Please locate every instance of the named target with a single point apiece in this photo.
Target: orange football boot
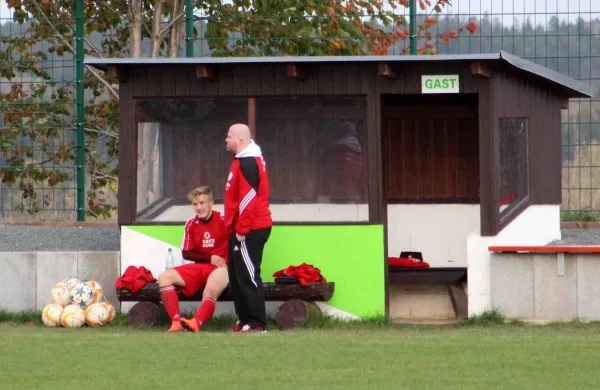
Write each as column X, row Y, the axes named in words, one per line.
column 176, row 326
column 192, row 325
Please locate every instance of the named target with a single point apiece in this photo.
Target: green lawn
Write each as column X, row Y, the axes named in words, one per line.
column 372, row 355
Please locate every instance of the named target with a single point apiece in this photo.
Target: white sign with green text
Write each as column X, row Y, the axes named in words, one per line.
column 439, row 84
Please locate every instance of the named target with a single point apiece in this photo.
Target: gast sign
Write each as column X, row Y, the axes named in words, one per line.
column 439, row 84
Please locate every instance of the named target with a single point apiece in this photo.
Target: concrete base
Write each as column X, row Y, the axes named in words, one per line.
column 27, row 277
column 420, row 302
column 546, row 287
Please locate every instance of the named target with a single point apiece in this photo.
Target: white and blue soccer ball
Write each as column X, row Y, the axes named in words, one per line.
column 82, row 294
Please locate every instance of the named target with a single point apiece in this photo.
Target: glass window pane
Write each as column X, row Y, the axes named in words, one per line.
column 514, row 162
column 181, row 146
column 315, row 148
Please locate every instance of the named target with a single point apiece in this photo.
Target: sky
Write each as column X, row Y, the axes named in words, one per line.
column 503, row 9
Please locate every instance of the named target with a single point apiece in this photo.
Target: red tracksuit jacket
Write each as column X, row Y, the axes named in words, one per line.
column 247, row 193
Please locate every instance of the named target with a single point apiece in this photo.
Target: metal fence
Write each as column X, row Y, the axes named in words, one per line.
column 41, row 119
column 561, row 35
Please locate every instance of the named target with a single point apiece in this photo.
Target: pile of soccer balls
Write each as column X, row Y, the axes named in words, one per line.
column 76, row 303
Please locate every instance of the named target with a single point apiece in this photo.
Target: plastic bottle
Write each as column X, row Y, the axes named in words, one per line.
column 169, row 262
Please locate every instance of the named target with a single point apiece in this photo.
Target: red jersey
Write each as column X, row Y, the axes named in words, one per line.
column 202, row 239
column 247, row 193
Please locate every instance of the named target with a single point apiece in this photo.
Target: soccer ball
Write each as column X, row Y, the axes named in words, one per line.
column 60, row 293
column 111, row 311
column 51, row 315
column 82, row 294
column 97, row 294
column 73, row 316
column 70, row 282
column 97, row 314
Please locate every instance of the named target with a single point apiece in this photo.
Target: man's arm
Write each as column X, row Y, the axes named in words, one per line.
column 188, row 250
column 196, row 256
column 230, row 211
column 248, row 187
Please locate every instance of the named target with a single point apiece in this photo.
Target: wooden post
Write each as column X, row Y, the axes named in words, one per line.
column 252, row 117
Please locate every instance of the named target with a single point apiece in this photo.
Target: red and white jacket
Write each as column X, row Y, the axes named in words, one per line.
column 247, row 193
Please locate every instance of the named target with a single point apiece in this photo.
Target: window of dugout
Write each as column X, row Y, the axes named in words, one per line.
column 314, row 147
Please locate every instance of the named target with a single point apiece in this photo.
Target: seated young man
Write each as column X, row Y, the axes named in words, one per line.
column 204, row 243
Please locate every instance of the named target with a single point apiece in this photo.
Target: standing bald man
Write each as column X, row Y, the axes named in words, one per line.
column 248, row 224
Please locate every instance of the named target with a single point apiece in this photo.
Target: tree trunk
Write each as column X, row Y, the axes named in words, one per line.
column 157, row 36
column 135, row 28
column 295, row 312
column 175, row 33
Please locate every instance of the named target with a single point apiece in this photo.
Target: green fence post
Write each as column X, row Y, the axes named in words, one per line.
column 413, row 27
column 189, row 28
column 79, row 54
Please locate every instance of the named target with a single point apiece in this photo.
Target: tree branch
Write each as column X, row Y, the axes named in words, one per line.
column 105, row 133
column 111, row 90
column 177, row 18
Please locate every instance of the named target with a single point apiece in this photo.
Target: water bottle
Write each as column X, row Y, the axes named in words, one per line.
column 169, row 262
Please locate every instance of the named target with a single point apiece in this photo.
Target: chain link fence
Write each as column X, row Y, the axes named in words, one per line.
column 38, row 122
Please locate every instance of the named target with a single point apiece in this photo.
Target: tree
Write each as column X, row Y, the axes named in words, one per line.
column 321, row 27
column 39, row 143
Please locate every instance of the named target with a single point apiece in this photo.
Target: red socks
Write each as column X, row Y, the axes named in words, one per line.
column 171, row 301
column 205, row 311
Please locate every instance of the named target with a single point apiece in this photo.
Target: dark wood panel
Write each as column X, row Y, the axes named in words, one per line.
column 516, row 97
column 519, row 97
column 127, row 155
column 271, row 79
column 297, row 139
column 488, row 159
column 430, row 158
column 442, row 275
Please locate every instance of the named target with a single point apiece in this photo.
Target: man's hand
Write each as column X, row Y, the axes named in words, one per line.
column 218, row 261
column 239, row 237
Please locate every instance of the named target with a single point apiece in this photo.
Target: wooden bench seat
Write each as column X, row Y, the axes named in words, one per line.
column 298, row 301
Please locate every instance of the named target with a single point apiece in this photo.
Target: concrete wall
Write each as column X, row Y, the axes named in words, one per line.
column 27, row 277
column 439, row 231
column 420, row 302
column 542, row 287
column 537, row 225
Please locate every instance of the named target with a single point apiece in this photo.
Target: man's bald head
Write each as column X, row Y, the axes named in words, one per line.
column 238, row 137
column 241, row 130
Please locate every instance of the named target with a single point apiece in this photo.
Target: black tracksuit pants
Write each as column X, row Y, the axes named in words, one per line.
column 244, row 263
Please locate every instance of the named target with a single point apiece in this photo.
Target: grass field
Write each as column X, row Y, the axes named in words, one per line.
column 478, row 354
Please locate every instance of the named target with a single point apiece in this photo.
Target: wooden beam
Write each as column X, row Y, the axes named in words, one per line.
column 385, row 70
column 297, row 71
column 477, row 68
column 319, row 291
column 120, row 74
column 252, row 117
column 208, row 72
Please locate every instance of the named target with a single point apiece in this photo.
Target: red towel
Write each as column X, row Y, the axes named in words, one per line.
column 135, row 278
column 305, row 273
column 406, row 262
